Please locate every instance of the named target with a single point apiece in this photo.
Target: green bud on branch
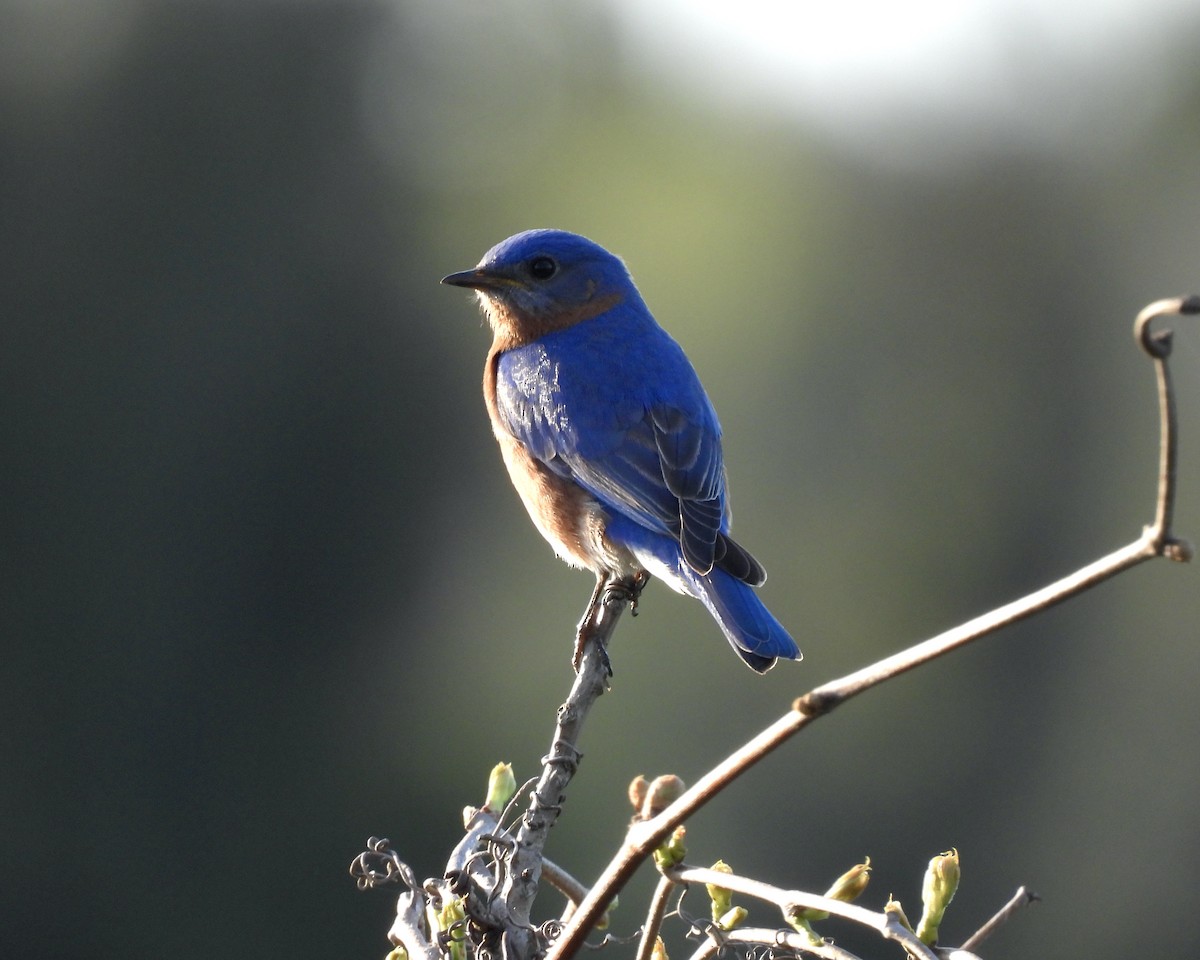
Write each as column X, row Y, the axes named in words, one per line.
column 673, row 851
column 941, row 883
column 722, row 899
column 502, row 784
column 847, row 888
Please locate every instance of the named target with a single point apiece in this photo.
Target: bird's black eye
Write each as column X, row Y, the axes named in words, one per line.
column 542, row 268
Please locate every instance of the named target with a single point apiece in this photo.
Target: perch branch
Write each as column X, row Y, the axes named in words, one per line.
column 482, row 826
column 1156, row 540
column 559, row 765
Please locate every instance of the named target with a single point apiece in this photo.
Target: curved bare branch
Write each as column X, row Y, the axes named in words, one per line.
column 1156, row 540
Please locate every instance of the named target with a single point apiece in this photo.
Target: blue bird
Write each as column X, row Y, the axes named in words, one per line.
column 608, row 436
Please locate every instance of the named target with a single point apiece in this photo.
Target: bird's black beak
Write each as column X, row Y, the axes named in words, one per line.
column 478, row 279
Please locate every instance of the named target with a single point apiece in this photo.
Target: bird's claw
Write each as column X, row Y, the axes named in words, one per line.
column 616, row 591
column 626, row 590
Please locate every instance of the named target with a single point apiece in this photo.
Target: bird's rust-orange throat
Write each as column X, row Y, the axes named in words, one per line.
column 514, row 329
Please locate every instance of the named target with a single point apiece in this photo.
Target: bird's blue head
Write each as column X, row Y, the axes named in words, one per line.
column 544, row 280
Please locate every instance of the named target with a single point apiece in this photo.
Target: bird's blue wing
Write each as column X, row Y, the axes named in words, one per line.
column 656, row 461
column 689, row 452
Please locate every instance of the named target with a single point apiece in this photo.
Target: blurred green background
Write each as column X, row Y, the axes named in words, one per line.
column 266, row 590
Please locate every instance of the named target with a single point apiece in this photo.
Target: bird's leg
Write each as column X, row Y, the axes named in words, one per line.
column 611, row 590
column 588, row 624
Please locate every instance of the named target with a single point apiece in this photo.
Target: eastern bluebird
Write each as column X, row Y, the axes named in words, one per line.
column 608, row 436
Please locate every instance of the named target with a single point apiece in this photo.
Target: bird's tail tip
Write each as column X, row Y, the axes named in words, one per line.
column 760, row 663
column 751, row 629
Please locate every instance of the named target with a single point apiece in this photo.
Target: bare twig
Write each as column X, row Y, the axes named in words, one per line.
column 1156, row 540
column 790, row 902
column 571, row 888
column 1022, row 898
column 710, row 948
column 1157, row 345
column 379, row 865
column 408, row 929
column 654, row 916
column 791, row 941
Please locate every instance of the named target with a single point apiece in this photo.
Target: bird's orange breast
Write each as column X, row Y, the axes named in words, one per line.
column 570, row 519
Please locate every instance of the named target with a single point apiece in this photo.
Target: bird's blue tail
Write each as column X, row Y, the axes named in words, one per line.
column 753, row 632
column 751, row 629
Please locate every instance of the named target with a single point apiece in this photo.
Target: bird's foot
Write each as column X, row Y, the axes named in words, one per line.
column 626, row 590
column 615, row 591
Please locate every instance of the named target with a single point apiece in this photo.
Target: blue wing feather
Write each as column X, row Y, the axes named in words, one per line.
column 656, row 461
